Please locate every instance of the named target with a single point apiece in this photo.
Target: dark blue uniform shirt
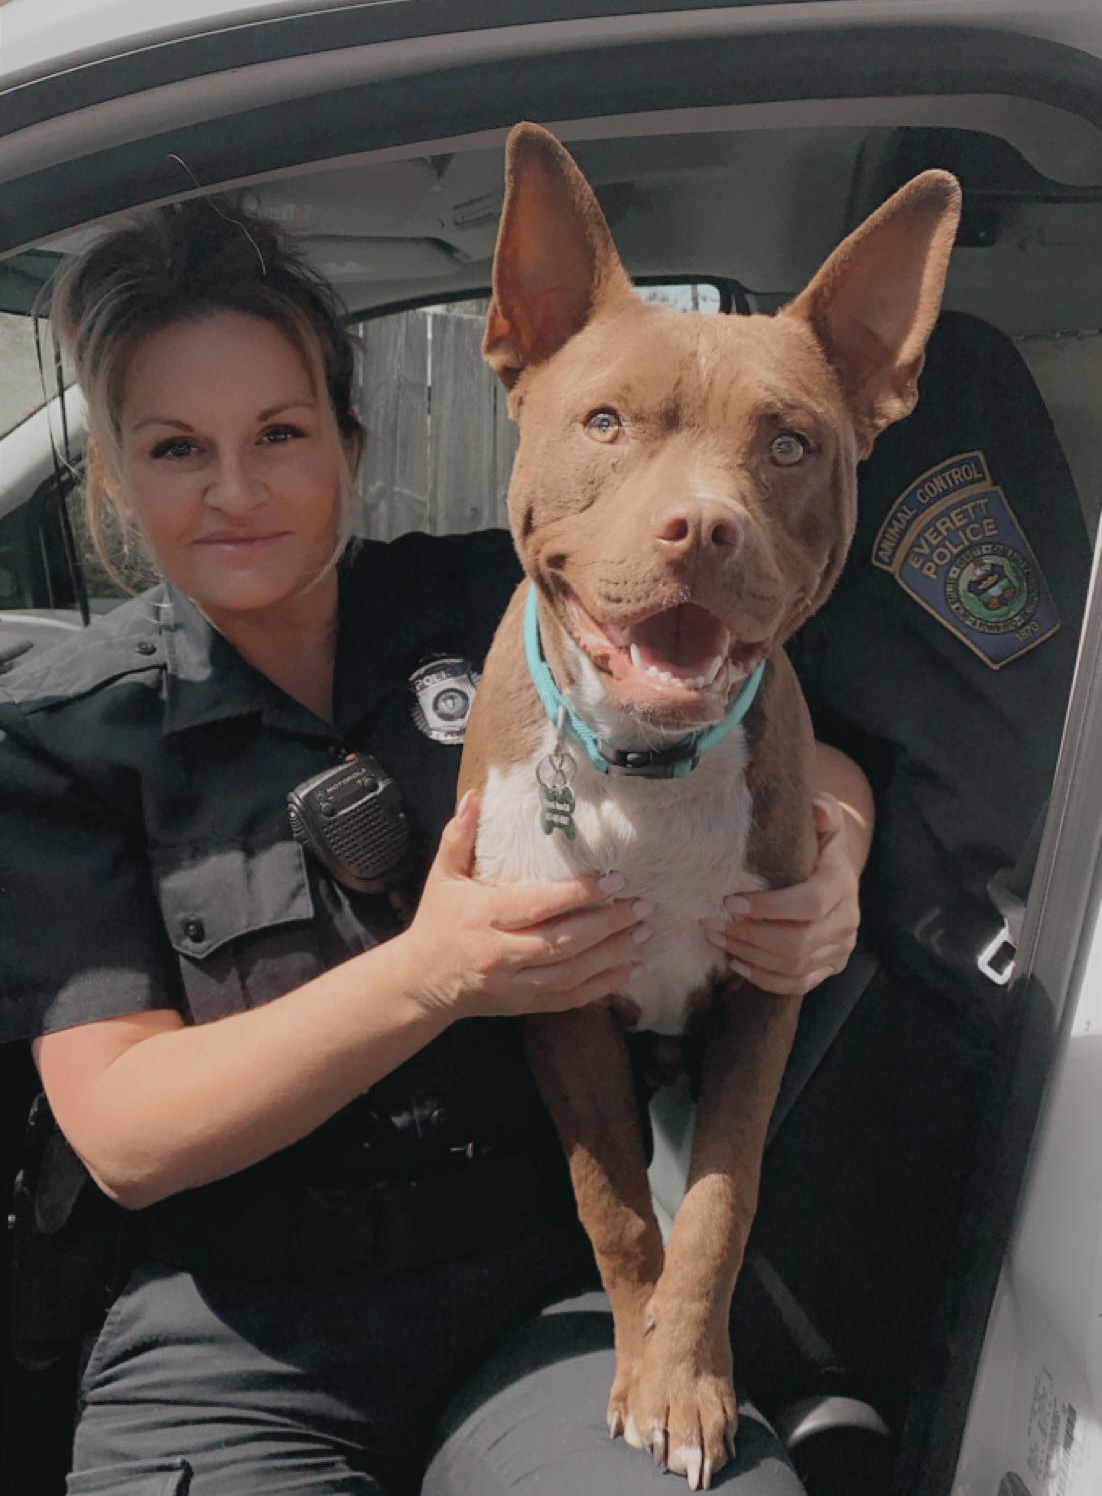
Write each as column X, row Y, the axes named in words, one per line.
column 147, row 856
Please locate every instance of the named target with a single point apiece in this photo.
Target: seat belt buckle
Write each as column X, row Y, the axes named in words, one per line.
column 996, row 960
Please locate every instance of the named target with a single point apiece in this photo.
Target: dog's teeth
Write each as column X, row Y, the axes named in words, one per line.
column 636, row 658
column 713, row 670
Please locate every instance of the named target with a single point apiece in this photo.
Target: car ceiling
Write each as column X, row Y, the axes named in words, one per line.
column 756, row 190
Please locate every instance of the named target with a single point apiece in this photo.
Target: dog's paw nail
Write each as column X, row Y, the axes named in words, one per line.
column 731, row 1442
column 658, row 1447
column 615, row 1424
column 694, row 1467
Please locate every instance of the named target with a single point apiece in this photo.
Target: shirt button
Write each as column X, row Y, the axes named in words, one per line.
column 195, row 930
column 146, row 648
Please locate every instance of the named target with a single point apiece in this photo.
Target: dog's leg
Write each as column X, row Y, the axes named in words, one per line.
column 580, row 1060
column 683, row 1400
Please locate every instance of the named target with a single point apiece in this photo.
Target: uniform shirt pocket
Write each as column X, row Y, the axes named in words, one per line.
column 240, row 919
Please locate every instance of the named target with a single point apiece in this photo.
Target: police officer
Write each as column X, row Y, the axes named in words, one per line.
column 338, row 1200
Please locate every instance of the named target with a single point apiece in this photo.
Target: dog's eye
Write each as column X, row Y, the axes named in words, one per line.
column 604, row 425
column 787, row 449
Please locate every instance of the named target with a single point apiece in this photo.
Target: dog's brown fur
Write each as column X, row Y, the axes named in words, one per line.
column 693, row 508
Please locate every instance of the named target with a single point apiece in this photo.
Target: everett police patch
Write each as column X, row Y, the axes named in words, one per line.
column 952, row 542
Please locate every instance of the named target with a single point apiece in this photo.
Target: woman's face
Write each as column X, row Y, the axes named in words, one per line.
column 232, row 466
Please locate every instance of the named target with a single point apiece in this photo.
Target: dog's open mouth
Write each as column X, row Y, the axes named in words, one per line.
column 676, row 655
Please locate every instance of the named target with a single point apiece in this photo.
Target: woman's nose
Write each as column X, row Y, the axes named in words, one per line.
column 234, row 487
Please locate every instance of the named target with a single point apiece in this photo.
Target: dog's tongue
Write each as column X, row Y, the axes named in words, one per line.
column 682, row 641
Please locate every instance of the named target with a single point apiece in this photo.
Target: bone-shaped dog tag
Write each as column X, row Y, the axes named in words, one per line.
column 558, row 811
column 556, row 797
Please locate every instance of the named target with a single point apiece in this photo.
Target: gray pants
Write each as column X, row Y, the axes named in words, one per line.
column 225, row 1386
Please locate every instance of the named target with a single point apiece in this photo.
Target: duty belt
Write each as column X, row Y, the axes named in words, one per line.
column 293, row 1228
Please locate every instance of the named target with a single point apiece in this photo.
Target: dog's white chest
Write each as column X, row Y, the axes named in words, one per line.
column 681, row 843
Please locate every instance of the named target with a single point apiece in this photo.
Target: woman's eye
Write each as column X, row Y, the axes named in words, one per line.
column 788, row 449
column 277, row 435
column 604, row 425
column 174, row 446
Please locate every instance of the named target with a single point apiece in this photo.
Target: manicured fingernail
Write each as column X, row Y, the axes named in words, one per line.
column 716, row 938
column 736, row 904
column 737, row 966
column 611, row 882
column 643, row 908
column 714, row 926
column 461, row 808
column 641, row 933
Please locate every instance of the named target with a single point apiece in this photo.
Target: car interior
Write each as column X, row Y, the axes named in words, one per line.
column 901, row 1128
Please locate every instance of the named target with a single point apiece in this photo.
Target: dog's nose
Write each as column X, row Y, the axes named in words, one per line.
column 696, row 524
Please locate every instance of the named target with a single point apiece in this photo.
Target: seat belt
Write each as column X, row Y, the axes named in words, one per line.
column 1009, row 890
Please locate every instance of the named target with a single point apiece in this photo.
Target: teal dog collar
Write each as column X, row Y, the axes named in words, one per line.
column 662, row 763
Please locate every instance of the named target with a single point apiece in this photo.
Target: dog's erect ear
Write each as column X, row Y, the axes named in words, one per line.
column 873, row 304
column 555, row 262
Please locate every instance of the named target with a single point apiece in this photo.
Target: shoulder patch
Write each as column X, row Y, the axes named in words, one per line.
column 953, row 544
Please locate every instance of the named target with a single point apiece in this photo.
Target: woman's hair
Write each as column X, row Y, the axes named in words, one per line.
column 178, row 264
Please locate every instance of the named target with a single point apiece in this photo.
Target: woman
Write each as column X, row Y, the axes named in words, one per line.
column 341, row 1197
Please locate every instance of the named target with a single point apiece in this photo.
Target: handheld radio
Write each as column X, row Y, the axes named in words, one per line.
column 351, row 818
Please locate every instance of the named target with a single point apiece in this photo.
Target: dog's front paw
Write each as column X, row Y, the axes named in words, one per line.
column 685, row 1417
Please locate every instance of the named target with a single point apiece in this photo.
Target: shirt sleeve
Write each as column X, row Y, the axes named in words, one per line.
column 81, row 935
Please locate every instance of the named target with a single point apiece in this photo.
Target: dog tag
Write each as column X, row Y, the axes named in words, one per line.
column 558, row 811
column 556, row 797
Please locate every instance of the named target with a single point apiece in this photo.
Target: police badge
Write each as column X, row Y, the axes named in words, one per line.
column 444, row 690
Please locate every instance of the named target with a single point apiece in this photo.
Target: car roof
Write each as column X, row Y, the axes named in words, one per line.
column 374, row 129
column 38, row 37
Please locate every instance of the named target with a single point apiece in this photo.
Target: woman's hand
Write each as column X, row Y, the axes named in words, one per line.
column 788, row 940
column 486, row 949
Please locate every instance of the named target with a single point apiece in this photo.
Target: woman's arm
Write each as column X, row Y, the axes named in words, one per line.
column 788, row 940
column 154, row 1106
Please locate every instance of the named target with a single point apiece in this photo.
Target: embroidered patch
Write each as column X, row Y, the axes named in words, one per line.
column 443, row 693
column 951, row 540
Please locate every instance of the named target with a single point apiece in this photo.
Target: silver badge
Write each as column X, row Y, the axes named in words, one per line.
column 444, row 690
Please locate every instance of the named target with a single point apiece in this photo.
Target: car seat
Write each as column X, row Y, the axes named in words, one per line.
column 942, row 663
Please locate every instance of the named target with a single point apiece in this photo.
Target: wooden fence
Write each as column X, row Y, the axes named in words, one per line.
column 438, row 442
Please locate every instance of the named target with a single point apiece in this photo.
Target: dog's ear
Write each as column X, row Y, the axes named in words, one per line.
column 555, row 262
column 874, row 302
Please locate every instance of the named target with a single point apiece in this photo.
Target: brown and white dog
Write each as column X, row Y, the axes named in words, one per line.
column 682, row 499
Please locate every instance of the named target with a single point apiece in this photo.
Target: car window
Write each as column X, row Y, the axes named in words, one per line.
column 438, row 440
column 21, row 390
